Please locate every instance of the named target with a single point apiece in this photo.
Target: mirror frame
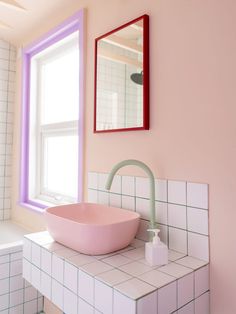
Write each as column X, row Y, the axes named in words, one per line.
column 145, row 125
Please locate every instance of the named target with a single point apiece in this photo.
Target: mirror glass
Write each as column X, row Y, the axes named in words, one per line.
column 121, row 78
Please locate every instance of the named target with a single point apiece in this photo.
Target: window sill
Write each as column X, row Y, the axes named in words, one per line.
column 32, row 207
column 39, row 205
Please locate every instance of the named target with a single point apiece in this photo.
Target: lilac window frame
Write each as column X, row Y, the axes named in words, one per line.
column 69, row 26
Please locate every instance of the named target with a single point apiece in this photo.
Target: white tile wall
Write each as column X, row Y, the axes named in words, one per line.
column 120, row 282
column 167, row 299
column 7, row 95
column 181, row 209
column 16, row 295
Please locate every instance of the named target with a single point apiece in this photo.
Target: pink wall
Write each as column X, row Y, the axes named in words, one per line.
column 193, row 128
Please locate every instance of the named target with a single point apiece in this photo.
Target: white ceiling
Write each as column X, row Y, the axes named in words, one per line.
column 22, row 22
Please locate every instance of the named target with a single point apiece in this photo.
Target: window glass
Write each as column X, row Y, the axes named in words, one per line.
column 60, row 165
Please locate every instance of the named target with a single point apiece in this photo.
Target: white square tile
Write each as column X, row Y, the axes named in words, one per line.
column 27, row 270
column 135, row 288
column 135, row 254
column 96, row 268
column 128, row 185
column 136, row 243
column 86, row 287
column 175, row 270
column 71, row 277
column 17, row 310
column 46, row 285
column 167, row 299
column 163, row 233
column 16, row 268
column 135, row 268
column 103, row 297
column 4, row 44
column 147, row 304
column 92, row 180
column 198, row 246
column 65, row 253
column 4, row 302
column 142, row 186
column 197, row 220
column 70, row 302
column 201, row 280
column 117, row 260
column 116, row 185
column 143, row 207
column 177, row 192
column 103, row 198
column 187, row 309
column 185, row 287
column 115, row 200
column 30, row 307
column 113, row 277
column 35, row 277
column 174, row 255
column 46, row 261
column 178, row 240
column 27, row 249
column 197, row 195
column 4, row 286
column 161, row 212
column 92, row 196
column 177, row 216
column 84, row 307
column 40, row 304
column 81, row 259
column 128, row 202
column 4, row 54
column 30, row 293
column 16, row 256
column 57, row 268
column 7, row 214
column 202, row 304
column 102, row 180
column 191, row 262
column 53, row 247
column 122, row 304
column 161, row 190
column 57, row 294
column 16, row 298
column 142, row 233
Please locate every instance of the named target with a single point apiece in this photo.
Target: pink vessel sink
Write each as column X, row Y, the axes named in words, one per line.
column 91, row 228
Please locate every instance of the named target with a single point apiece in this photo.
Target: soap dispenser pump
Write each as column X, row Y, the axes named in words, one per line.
column 156, row 252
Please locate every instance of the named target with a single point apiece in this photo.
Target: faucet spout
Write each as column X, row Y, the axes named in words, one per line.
column 133, row 162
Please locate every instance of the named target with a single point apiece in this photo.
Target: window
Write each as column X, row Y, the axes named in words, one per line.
column 51, row 161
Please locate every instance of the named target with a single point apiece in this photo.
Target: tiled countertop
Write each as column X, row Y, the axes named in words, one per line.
column 120, row 282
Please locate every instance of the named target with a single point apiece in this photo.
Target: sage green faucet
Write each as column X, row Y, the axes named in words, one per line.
column 133, row 162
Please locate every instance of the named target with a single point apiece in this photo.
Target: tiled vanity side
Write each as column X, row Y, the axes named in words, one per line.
column 181, row 209
column 7, row 95
column 17, row 296
column 115, row 283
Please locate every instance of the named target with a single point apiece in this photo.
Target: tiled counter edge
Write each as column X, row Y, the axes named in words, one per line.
column 17, row 296
column 80, row 284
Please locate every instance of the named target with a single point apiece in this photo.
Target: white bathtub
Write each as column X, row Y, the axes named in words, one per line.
column 16, row 295
column 10, row 232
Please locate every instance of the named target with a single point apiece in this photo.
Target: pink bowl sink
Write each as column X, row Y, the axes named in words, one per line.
column 91, row 228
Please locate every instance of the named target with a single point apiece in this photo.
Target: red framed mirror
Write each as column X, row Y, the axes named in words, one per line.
column 121, row 101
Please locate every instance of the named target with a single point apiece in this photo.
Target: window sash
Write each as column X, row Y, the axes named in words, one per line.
column 41, row 191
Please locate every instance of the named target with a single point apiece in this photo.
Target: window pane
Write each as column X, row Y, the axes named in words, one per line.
column 60, row 173
column 59, row 81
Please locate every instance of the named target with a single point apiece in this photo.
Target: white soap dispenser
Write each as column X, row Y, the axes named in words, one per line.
column 156, row 252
